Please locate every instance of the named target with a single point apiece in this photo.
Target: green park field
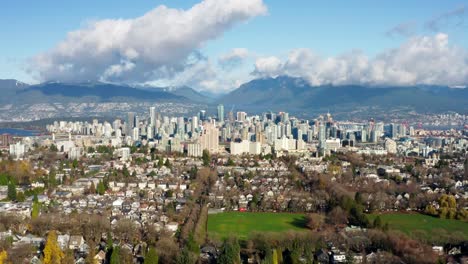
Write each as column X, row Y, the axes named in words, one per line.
column 242, row 224
column 424, row 226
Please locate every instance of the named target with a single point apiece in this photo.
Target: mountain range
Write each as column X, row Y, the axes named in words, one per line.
column 295, row 94
column 282, row 93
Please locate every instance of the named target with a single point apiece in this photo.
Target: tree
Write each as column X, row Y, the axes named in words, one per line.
column 92, row 188
column 3, row 257
column 160, row 162
column 53, row 148
column 167, row 163
column 314, row 221
column 151, row 257
column 377, row 222
column 101, row 188
column 52, row 252
column 68, row 257
column 35, row 210
column 337, row 216
column 11, row 194
column 185, row 257
column 115, row 256
column 206, row 157
column 192, row 244
column 230, row 253
column 230, row 162
column 20, row 197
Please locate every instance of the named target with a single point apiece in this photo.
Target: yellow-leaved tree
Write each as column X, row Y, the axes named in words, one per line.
column 3, row 257
column 52, row 252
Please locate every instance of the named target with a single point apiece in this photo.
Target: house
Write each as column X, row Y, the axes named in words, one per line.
column 76, row 242
column 100, row 257
column 117, row 203
column 322, row 256
column 172, row 226
column 438, row 250
column 32, row 240
column 455, row 251
column 63, row 241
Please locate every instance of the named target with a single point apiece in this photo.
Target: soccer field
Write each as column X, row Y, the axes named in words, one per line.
column 424, row 226
column 242, row 224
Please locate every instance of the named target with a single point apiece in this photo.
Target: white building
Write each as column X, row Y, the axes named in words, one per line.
column 390, row 146
column 17, row 150
column 75, row 153
column 194, row 150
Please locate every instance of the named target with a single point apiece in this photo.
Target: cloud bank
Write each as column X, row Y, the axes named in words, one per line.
column 420, row 60
column 233, row 58
column 160, row 44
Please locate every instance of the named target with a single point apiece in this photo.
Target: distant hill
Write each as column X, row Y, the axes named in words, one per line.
column 55, row 92
column 295, row 94
column 188, row 92
column 9, row 87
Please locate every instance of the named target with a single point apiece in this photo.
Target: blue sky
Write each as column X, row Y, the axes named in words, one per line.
column 328, row 28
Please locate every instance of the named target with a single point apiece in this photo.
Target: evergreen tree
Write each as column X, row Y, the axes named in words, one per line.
column 167, row 163
column 101, row 188
column 52, row 252
column 35, row 210
column 11, row 194
column 151, row 257
column 206, row 157
column 192, row 244
column 230, row 252
column 115, row 256
column 377, row 222
column 160, row 162
column 230, row 162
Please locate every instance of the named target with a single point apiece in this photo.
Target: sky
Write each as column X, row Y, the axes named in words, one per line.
column 217, row 45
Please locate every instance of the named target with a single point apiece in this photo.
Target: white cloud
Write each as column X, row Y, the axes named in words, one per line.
column 159, row 44
column 420, row 60
column 268, row 66
column 233, row 58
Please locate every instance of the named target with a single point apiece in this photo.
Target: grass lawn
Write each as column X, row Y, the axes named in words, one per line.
column 423, row 226
column 242, row 224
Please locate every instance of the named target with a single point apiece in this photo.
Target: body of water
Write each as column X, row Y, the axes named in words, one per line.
column 18, row 132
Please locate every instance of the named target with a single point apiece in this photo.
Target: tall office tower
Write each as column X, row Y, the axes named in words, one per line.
column 136, row 133
column 180, row 125
column 150, row 132
column 202, row 115
column 299, row 134
column 402, row 130
column 153, row 115
column 284, row 117
column 194, row 124
column 130, row 123
column 137, row 121
column 310, row 136
column 116, row 124
column 373, row 136
column 209, row 139
column 241, row 116
column 166, row 120
column 322, row 135
column 259, row 137
column 221, row 113
column 411, row 131
column 287, row 130
column 364, row 135
column 231, row 117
